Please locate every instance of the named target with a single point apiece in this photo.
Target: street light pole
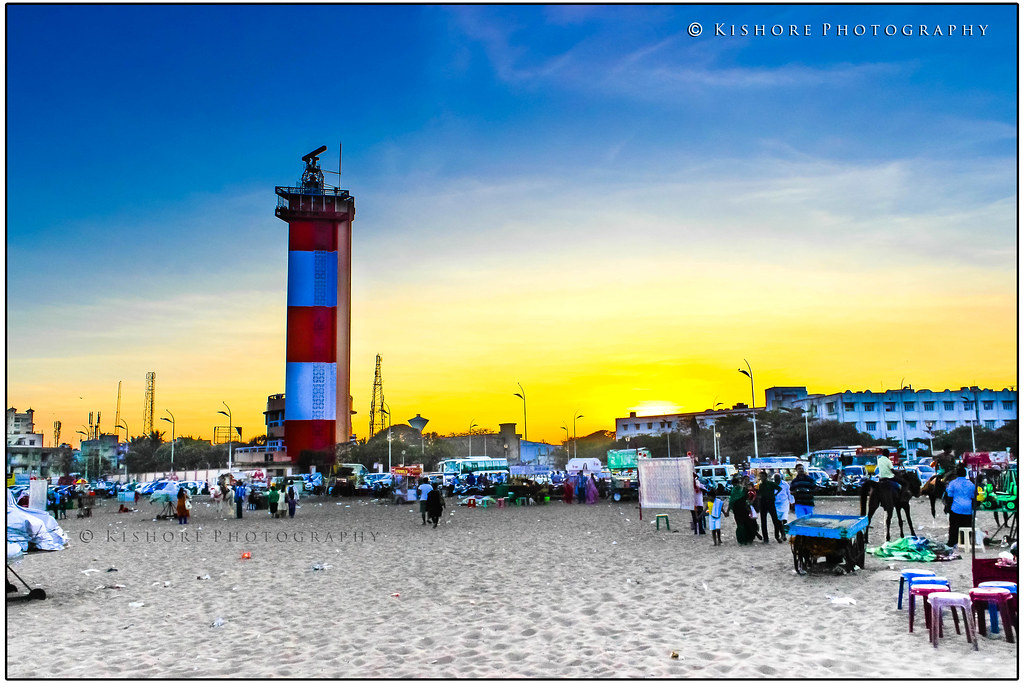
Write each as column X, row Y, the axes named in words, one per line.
column 753, row 416
column 566, row 429
column 974, row 447
column 85, row 458
column 172, row 436
column 387, row 411
column 231, row 431
column 471, row 425
column 576, row 417
column 807, row 433
column 522, row 395
column 125, row 425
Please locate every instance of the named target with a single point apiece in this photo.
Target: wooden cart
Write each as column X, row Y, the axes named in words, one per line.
column 837, row 538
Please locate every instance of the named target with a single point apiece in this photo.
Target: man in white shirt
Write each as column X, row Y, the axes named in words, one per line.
column 885, row 473
column 422, row 490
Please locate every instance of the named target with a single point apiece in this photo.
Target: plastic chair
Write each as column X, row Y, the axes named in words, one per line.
column 993, row 612
column 471, row 502
column 981, row 598
column 924, row 591
column 968, row 535
column 905, row 576
column 953, row 601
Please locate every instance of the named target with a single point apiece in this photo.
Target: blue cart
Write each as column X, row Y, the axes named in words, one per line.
column 837, row 538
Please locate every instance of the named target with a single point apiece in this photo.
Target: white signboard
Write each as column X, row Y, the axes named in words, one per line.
column 666, row 483
column 591, row 465
column 37, row 494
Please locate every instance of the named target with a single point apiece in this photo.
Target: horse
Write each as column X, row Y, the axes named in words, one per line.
column 883, row 496
column 935, row 488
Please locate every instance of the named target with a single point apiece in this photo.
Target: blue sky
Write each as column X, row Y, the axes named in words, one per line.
column 556, row 166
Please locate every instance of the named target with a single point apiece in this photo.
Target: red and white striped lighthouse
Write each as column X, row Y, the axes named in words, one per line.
column 317, row 401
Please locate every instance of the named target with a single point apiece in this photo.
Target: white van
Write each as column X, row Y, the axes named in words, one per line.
column 713, row 475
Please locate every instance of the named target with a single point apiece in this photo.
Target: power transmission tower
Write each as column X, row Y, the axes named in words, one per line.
column 147, row 406
column 376, row 403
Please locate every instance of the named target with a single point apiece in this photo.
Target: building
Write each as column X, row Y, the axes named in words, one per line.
column 271, row 457
column 317, row 393
column 24, row 450
column 658, row 425
column 911, row 416
column 505, row 444
column 99, row 456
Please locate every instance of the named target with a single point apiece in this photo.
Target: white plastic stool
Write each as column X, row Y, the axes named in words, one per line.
column 968, row 535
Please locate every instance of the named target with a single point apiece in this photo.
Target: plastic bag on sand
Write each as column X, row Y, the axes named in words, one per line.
column 841, row 601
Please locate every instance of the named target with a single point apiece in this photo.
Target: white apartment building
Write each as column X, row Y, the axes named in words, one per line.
column 908, row 416
column 656, row 425
column 24, row 451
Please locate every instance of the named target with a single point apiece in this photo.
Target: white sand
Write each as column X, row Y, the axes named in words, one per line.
column 547, row 591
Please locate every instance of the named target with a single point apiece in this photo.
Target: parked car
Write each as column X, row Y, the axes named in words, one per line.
column 924, row 472
column 823, row 484
column 148, row 487
column 852, row 480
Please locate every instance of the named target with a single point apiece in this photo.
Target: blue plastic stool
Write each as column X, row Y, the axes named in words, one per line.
column 906, row 575
column 993, row 609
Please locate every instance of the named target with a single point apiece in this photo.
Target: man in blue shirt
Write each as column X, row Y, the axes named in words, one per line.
column 961, row 492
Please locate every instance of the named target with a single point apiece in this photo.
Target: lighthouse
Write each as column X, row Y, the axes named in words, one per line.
column 317, row 381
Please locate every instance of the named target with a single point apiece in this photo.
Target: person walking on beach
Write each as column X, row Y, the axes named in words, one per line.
column 290, row 499
column 746, row 527
column 961, row 492
column 783, row 499
column 766, row 490
column 273, row 497
column 422, row 492
column 239, row 499
column 698, row 505
column 182, row 508
column 567, row 490
column 802, row 488
column 715, row 520
column 435, row 504
column 591, row 490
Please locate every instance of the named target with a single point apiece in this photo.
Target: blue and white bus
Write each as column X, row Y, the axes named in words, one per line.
column 460, row 467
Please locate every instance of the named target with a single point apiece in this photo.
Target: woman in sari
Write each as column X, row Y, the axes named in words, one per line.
column 591, row 490
column 746, row 528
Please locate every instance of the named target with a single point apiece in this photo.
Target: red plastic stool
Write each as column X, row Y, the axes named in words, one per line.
column 953, row 601
column 471, row 502
column 924, row 591
column 980, row 599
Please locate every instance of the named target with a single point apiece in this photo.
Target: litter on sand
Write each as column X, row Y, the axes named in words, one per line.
column 217, row 623
column 841, row 601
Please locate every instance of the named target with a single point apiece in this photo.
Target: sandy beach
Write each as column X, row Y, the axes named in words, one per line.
column 543, row 591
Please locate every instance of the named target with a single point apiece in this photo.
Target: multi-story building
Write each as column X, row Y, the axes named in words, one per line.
column 906, row 415
column 911, row 416
column 25, row 452
column 657, row 425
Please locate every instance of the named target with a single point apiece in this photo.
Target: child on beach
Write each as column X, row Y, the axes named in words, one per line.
column 715, row 520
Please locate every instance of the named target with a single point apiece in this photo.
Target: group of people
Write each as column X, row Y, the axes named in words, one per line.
column 431, row 501
column 581, row 488
column 769, row 500
column 241, row 493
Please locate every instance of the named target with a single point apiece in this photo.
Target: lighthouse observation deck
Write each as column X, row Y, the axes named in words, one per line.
column 314, row 202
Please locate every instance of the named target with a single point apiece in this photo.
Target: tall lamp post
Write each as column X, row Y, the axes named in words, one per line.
column 565, row 428
column 575, row 417
column 753, row 416
column 172, row 436
column 807, row 429
column 471, row 425
column 522, row 394
column 974, row 447
column 85, row 458
column 387, row 411
column 418, row 423
column 231, row 431
column 125, row 425
column 714, row 427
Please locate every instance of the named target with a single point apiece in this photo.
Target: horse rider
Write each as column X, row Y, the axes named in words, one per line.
column 884, row 470
column 945, row 465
